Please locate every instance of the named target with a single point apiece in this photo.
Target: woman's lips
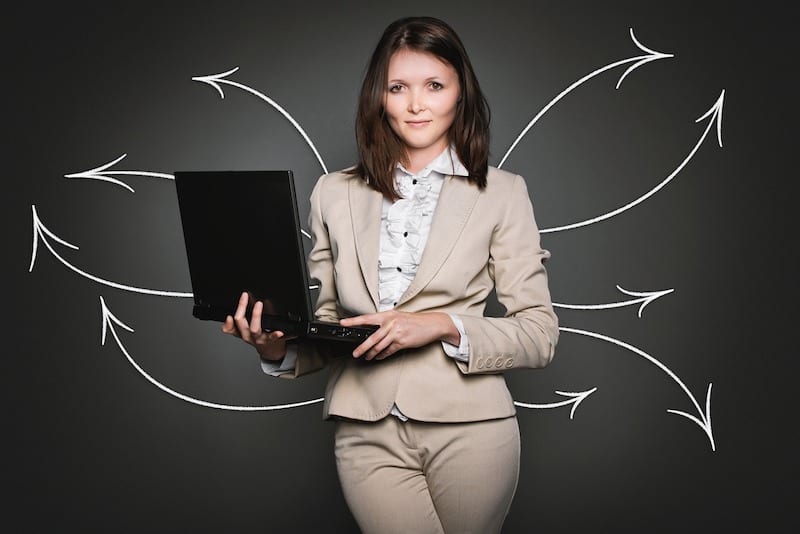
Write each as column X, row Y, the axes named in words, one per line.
column 417, row 124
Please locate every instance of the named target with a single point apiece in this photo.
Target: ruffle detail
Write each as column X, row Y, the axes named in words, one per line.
column 405, row 226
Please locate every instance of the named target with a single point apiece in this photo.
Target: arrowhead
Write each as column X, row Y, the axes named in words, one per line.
column 578, row 398
column 650, row 296
column 704, row 421
column 716, row 115
column 97, row 174
column 39, row 229
column 212, row 80
column 108, row 317
column 652, row 55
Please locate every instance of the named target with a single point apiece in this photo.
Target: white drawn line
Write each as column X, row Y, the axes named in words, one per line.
column 101, row 173
column 646, row 297
column 575, row 400
column 715, row 113
column 108, row 320
column 215, row 79
column 39, row 232
column 637, row 61
column 705, row 418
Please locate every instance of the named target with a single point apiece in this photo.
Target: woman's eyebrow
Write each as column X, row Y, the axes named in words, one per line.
column 428, row 79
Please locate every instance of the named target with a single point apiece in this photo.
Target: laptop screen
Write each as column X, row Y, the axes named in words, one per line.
column 242, row 233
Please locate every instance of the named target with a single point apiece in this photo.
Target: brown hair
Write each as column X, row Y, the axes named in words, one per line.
column 379, row 147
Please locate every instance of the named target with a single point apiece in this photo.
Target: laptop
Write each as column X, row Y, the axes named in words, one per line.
column 242, row 233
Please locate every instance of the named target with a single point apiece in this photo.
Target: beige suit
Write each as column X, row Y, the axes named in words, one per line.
column 478, row 240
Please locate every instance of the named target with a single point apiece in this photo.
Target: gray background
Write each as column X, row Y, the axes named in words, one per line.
column 91, row 445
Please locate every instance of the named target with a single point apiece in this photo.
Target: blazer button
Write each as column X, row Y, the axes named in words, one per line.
column 479, row 363
column 489, row 362
column 498, row 363
column 509, row 363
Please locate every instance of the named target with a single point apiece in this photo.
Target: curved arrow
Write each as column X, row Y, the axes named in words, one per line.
column 215, row 79
column 704, row 421
column 715, row 114
column 577, row 398
column 637, row 61
column 109, row 319
column 39, row 233
column 646, row 297
column 100, row 173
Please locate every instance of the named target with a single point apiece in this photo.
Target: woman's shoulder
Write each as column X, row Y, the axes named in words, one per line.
column 501, row 175
column 500, row 180
column 338, row 178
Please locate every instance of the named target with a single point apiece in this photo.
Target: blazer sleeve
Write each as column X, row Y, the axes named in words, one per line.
column 527, row 335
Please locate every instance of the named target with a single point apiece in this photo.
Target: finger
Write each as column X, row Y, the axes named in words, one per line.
column 276, row 335
column 244, row 328
column 388, row 351
column 379, row 348
column 380, row 343
column 229, row 327
column 255, row 320
column 242, row 306
column 370, row 318
column 368, row 343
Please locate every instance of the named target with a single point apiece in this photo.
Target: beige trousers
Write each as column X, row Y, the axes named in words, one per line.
column 414, row 477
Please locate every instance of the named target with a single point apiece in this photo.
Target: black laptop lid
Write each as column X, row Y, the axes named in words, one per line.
column 242, row 233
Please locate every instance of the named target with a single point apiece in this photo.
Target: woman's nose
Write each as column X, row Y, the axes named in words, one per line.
column 415, row 102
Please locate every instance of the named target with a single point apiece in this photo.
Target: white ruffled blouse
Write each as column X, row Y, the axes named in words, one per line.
column 405, row 226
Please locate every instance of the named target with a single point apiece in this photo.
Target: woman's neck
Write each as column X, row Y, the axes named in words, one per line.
column 418, row 159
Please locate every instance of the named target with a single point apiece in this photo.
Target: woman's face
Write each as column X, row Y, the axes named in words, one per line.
column 421, row 97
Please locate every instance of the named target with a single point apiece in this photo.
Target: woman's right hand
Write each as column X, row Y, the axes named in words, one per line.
column 270, row 345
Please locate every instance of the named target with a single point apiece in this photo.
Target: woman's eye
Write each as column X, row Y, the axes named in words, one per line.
column 436, row 86
column 395, row 88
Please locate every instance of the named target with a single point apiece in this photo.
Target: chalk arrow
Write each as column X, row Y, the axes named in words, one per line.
column 637, row 61
column 704, row 419
column 575, row 400
column 214, row 80
column 41, row 233
column 645, row 297
column 109, row 320
column 714, row 116
column 103, row 174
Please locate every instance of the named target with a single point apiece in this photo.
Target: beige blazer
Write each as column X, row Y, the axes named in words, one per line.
column 479, row 240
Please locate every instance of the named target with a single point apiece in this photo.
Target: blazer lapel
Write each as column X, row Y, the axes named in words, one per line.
column 365, row 215
column 456, row 201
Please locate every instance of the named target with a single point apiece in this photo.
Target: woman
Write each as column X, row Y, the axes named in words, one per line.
column 413, row 239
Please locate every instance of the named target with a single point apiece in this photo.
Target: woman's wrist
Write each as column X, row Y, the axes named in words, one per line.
column 450, row 333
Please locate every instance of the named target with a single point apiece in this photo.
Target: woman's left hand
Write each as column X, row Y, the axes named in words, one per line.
column 402, row 330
